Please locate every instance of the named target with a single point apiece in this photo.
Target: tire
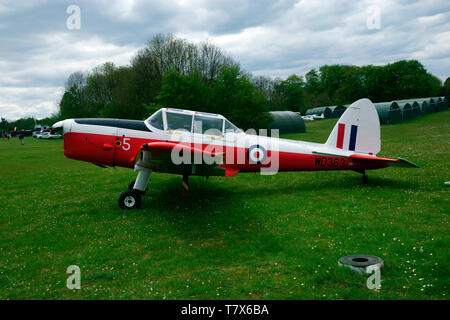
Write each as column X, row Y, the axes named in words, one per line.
column 130, row 200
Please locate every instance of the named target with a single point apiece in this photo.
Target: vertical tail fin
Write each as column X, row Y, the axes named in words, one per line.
column 358, row 129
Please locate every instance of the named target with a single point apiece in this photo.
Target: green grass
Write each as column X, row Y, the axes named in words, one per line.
column 244, row 237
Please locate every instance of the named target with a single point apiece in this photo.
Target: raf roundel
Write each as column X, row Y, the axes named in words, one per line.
column 256, row 154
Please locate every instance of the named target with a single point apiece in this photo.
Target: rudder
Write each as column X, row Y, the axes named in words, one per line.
column 358, row 129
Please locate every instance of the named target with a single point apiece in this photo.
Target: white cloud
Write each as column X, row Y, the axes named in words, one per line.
column 275, row 38
column 38, row 102
column 43, row 73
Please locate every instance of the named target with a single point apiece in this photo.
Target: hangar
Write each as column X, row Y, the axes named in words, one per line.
column 388, row 112
column 433, row 105
column 416, row 110
column 287, row 122
column 391, row 112
column 423, row 103
column 407, row 111
column 326, row 111
column 440, row 103
column 338, row 111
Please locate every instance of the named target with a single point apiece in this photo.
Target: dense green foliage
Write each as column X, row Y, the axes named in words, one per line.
column 446, row 89
column 173, row 72
column 242, row 237
column 343, row 84
column 232, row 94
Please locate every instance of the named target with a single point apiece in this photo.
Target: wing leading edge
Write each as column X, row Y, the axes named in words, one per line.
column 158, row 157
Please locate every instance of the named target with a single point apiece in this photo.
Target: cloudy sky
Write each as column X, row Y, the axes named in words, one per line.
column 276, row 38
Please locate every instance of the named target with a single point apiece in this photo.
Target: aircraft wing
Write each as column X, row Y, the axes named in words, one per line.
column 181, row 158
column 390, row 162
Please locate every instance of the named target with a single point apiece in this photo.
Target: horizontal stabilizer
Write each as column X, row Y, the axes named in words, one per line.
column 390, row 162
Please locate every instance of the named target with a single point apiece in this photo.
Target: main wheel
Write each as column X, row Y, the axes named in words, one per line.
column 130, row 199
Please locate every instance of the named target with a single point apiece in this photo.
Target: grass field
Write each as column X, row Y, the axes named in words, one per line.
column 244, row 237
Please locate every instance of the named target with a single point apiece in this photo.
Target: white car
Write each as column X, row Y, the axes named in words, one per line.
column 48, row 135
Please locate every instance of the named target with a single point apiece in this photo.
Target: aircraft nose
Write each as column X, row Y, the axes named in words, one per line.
column 62, row 125
column 58, row 126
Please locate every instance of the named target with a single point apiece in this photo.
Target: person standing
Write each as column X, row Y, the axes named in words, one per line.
column 21, row 138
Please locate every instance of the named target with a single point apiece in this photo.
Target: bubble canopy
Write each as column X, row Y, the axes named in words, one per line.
column 171, row 119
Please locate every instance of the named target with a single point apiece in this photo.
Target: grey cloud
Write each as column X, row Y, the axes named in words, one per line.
column 269, row 37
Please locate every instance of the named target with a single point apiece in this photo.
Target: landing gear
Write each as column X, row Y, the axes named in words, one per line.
column 185, row 185
column 131, row 199
column 364, row 177
column 131, row 186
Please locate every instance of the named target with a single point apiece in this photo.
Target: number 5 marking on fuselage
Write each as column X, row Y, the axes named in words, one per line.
column 126, row 146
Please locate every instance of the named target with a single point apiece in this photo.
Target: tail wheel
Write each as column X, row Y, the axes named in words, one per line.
column 130, row 199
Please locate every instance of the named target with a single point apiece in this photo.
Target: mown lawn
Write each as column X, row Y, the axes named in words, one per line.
column 244, row 237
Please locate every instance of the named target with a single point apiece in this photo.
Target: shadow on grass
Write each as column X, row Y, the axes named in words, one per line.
column 217, row 210
column 377, row 181
column 213, row 215
column 213, row 196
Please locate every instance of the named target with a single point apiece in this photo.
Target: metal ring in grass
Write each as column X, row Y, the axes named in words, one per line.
column 359, row 262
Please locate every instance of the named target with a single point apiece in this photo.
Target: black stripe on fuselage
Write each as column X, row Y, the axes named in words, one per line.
column 118, row 123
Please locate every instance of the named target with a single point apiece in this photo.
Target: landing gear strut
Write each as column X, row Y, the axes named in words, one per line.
column 364, row 178
column 131, row 199
column 185, row 185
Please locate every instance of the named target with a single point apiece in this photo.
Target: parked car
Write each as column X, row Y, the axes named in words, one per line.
column 38, row 135
column 38, row 129
column 48, row 135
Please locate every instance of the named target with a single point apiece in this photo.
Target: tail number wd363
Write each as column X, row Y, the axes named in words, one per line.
column 329, row 162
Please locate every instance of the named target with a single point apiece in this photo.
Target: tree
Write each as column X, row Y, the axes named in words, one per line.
column 235, row 97
column 312, row 84
column 446, row 88
column 5, row 125
column 291, row 91
column 69, row 107
column 185, row 91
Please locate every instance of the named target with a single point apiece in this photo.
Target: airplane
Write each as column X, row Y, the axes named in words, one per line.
column 191, row 143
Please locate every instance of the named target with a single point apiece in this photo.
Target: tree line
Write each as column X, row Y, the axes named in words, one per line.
column 173, row 72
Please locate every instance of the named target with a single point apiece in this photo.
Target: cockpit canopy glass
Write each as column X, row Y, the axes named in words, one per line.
column 208, row 125
column 156, row 120
column 179, row 121
column 229, row 127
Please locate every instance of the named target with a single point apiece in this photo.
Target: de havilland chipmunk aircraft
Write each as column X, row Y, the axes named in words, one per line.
column 203, row 144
